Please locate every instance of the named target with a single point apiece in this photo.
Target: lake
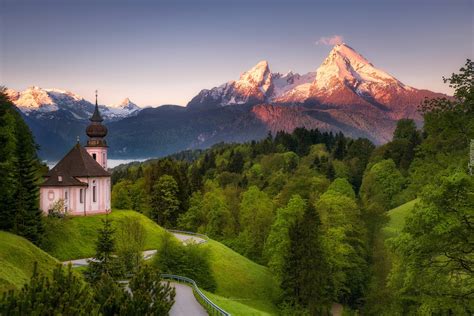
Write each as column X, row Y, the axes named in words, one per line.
column 111, row 162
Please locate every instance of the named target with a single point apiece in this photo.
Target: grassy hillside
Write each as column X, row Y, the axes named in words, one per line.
column 241, row 279
column 235, row 308
column 17, row 257
column 236, row 276
column 397, row 218
column 75, row 237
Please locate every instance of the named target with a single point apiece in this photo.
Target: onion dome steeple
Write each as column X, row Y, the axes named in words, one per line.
column 96, row 131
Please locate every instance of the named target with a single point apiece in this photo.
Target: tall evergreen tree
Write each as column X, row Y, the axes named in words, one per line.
column 19, row 174
column 28, row 217
column 8, row 146
column 305, row 271
column 164, row 201
column 103, row 262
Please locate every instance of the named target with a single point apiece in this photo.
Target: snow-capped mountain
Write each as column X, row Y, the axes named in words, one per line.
column 347, row 93
column 124, row 109
column 42, row 103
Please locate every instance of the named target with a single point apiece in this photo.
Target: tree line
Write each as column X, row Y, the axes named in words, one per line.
column 259, row 197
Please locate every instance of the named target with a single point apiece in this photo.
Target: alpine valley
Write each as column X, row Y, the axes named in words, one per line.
column 345, row 94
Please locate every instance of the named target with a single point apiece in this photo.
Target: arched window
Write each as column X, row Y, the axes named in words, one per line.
column 94, row 156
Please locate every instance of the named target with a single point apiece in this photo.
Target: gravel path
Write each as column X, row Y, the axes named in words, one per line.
column 185, row 302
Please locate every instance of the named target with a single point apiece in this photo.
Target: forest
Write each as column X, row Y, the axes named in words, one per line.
column 312, row 206
column 382, row 230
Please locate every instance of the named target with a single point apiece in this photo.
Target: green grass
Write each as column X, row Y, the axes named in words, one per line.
column 397, row 219
column 241, row 281
column 75, row 237
column 234, row 307
column 17, row 257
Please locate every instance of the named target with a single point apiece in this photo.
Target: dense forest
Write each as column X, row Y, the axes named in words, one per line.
column 311, row 206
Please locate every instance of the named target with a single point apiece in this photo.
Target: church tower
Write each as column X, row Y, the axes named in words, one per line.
column 96, row 144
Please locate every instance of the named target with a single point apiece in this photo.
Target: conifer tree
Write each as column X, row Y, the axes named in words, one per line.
column 7, row 164
column 305, row 271
column 63, row 294
column 149, row 296
column 103, row 262
column 19, row 173
column 28, row 217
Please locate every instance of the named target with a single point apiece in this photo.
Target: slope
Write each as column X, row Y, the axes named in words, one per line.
column 74, row 238
column 397, row 217
column 240, row 279
column 17, row 258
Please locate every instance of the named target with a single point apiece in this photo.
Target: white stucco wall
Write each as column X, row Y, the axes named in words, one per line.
column 71, row 196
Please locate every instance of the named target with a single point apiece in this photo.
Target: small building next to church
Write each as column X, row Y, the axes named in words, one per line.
column 81, row 178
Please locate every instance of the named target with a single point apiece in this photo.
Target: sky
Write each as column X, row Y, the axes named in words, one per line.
column 165, row 52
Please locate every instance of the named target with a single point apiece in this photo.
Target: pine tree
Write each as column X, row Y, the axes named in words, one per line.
column 103, row 262
column 28, row 217
column 8, row 182
column 63, row 294
column 149, row 295
column 305, row 271
column 109, row 295
column 19, row 173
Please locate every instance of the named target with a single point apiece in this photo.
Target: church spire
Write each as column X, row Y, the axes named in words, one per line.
column 96, row 117
column 96, row 131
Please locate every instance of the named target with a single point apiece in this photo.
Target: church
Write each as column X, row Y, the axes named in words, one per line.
column 81, row 178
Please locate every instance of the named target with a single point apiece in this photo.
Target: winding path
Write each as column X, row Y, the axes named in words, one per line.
column 185, row 303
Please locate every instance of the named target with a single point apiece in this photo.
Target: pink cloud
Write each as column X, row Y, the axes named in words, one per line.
column 330, row 40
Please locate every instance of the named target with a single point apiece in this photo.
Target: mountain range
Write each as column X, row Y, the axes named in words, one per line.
column 346, row 93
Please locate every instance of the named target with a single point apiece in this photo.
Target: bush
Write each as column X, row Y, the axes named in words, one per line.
column 191, row 261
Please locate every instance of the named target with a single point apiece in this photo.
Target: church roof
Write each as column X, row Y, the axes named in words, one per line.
column 76, row 164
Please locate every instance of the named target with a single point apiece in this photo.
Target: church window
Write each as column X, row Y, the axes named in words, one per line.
column 94, row 192
column 81, row 196
column 94, row 156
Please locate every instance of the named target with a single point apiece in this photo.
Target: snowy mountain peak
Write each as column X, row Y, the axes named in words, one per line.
column 41, row 102
column 346, row 66
column 127, row 105
column 259, row 75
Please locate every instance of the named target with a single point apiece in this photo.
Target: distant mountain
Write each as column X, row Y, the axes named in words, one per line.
column 346, row 93
column 58, row 117
column 42, row 103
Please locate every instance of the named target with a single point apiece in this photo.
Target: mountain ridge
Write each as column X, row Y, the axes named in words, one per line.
column 346, row 93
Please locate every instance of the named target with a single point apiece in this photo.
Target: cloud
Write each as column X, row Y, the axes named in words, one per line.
column 330, row 40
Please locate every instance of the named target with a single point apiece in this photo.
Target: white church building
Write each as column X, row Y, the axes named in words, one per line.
column 81, row 178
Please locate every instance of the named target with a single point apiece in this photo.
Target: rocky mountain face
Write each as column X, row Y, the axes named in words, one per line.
column 346, row 93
